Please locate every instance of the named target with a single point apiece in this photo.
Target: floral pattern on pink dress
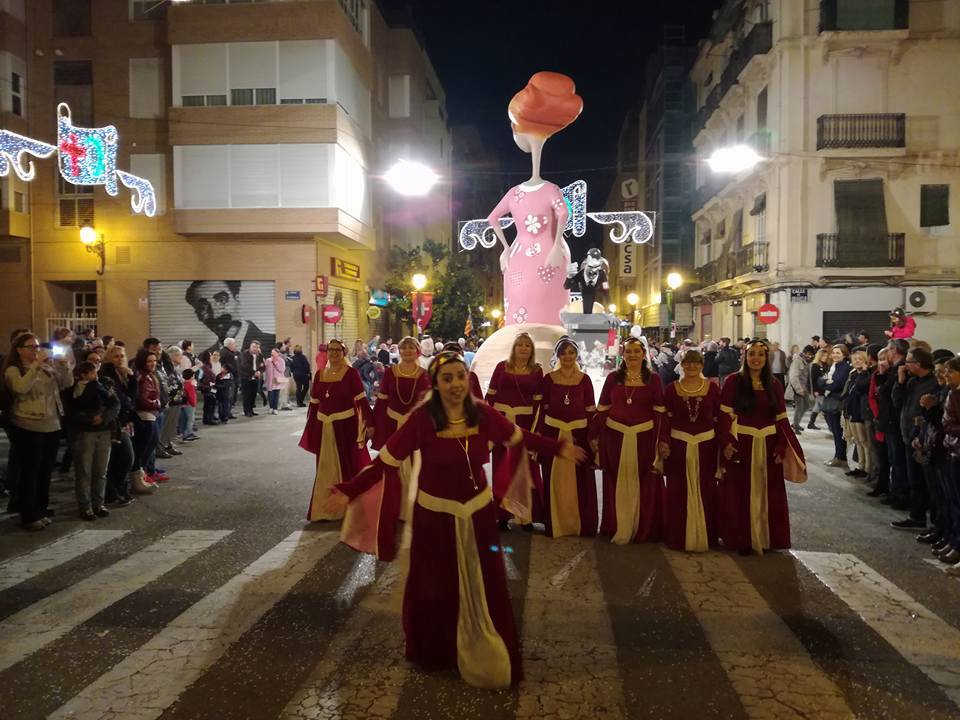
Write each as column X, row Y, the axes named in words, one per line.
column 533, row 291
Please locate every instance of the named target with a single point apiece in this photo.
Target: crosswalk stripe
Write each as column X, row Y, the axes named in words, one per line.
column 362, row 673
column 566, row 625
column 24, row 567
column 151, row 678
column 766, row 664
column 53, row 617
column 924, row 639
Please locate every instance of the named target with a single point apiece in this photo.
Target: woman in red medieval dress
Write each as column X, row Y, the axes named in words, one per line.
column 626, row 431
column 690, row 458
column 456, row 608
column 570, row 492
column 515, row 391
column 338, row 425
column 403, row 386
column 760, row 451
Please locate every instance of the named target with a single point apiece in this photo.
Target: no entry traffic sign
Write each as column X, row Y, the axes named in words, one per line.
column 768, row 314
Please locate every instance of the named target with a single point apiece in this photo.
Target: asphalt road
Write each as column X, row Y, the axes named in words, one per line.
column 215, row 599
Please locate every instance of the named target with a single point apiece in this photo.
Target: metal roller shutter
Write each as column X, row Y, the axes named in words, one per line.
column 173, row 319
column 348, row 328
column 837, row 323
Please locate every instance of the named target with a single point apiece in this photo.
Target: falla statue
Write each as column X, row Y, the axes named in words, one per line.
column 535, row 265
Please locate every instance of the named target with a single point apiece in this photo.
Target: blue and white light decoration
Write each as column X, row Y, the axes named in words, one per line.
column 87, row 156
column 633, row 225
column 14, row 147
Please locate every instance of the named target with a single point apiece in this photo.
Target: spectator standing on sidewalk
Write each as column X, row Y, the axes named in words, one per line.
column 728, row 359
column 32, row 381
column 230, row 359
column 915, row 379
column 116, row 372
column 300, row 368
column 778, row 364
column 252, row 368
column 189, row 409
column 832, row 404
column 899, row 498
column 92, row 410
column 818, row 368
column 148, row 407
column 799, row 380
column 275, row 380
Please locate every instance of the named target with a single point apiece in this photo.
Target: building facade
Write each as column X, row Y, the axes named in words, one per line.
column 265, row 128
column 855, row 109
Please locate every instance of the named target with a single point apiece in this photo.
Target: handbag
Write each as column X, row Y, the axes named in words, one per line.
column 830, row 404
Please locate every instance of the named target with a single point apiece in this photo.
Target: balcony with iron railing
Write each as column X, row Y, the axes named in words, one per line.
column 752, row 258
column 834, row 250
column 862, row 131
column 758, row 41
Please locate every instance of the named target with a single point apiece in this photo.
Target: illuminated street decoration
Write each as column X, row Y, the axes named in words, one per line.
column 633, row 224
column 14, row 147
column 87, row 156
column 144, row 200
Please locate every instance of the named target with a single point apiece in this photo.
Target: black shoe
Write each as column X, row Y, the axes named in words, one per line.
column 174, row 451
column 49, row 512
column 943, row 549
column 254, row 413
column 951, row 558
column 122, row 502
column 938, row 546
column 908, row 524
column 797, row 429
column 301, row 404
column 161, row 453
column 876, row 492
column 232, row 417
column 87, row 515
column 931, row 537
column 813, row 427
column 503, row 524
column 527, row 527
column 211, row 422
column 101, row 512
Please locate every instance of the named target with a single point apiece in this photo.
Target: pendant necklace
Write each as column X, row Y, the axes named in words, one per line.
column 413, row 389
column 630, row 394
column 693, row 412
column 465, row 446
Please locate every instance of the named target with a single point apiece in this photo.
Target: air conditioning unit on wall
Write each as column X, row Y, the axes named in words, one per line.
column 931, row 300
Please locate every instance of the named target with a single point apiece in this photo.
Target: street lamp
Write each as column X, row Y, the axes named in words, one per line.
column 674, row 281
column 495, row 313
column 410, row 178
column 633, row 300
column 94, row 244
column 419, row 281
column 612, row 308
column 732, row 160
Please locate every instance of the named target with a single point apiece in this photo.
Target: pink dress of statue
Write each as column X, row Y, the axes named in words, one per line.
column 535, row 265
column 533, row 290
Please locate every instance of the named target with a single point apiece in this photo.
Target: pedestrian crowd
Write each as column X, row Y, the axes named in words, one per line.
column 117, row 410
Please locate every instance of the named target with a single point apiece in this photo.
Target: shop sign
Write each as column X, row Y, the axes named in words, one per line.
column 768, row 314
column 341, row 268
column 373, row 312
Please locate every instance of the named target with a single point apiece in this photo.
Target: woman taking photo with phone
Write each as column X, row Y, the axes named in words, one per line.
column 32, row 381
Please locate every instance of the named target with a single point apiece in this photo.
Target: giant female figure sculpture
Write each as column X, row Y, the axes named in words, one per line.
column 534, row 266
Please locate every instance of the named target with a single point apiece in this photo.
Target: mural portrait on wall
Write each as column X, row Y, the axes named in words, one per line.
column 210, row 311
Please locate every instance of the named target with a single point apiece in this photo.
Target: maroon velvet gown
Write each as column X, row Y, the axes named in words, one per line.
column 455, row 547
column 632, row 499
column 753, row 498
column 341, row 409
column 398, row 396
column 690, row 520
column 517, row 397
column 569, row 490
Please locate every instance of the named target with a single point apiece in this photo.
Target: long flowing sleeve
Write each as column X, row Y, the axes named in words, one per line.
column 537, row 396
column 670, row 402
column 398, row 447
column 659, row 411
column 546, row 389
column 310, row 440
column 589, row 399
column 788, row 447
column 475, row 388
column 494, row 382
column 361, row 405
column 603, row 407
column 728, row 416
column 381, row 429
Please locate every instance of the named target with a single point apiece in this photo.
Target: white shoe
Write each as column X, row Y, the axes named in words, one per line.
column 273, row 412
column 140, row 485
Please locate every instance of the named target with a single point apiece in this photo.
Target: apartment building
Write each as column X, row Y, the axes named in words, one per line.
column 855, row 108
column 265, row 128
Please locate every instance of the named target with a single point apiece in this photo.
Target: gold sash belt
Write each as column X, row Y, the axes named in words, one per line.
column 696, row 539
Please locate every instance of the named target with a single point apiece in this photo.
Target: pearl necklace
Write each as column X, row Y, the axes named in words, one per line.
column 413, row 390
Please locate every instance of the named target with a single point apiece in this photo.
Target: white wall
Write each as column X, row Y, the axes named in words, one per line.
column 147, row 88
column 316, row 175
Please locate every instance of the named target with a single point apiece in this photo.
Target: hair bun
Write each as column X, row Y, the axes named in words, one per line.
column 546, row 105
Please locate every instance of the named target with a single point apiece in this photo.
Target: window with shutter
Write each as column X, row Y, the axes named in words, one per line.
column 934, row 205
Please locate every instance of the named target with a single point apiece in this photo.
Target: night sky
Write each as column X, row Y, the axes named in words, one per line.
column 484, row 52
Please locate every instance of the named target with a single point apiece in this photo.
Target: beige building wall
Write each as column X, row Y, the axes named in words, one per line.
column 289, row 246
column 809, row 74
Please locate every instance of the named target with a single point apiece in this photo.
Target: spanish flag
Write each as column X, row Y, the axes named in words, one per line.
column 468, row 326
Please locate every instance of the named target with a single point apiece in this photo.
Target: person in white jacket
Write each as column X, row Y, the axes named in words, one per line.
column 32, row 381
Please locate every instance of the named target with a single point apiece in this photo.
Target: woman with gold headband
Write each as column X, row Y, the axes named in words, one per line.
column 515, row 391
column 689, row 451
column 403, row 386
column 759, row 451
column 626, row 430
column 339, row 422
column 570, row 492
column 456, row 609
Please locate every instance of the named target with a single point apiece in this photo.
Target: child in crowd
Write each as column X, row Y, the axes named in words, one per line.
column 189, row 408
column 92, row 413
